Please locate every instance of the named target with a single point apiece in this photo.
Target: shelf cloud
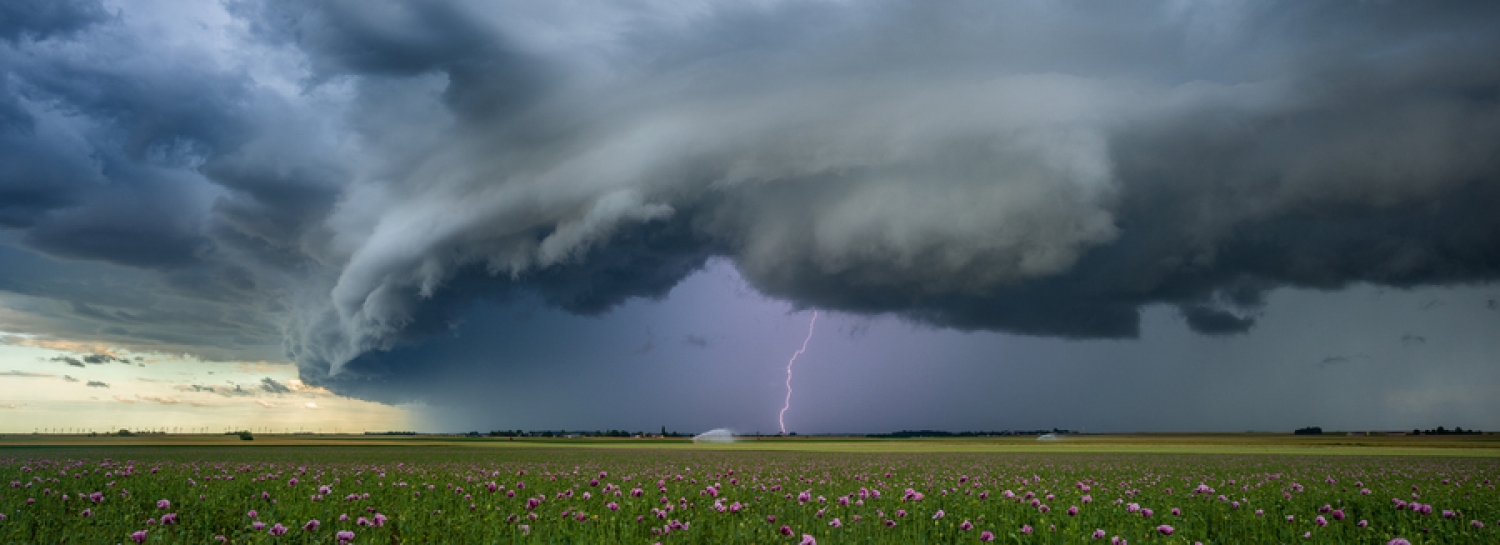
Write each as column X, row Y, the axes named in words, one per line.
column 328, row 181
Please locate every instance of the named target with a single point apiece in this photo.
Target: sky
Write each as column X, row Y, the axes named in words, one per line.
column 459, row 215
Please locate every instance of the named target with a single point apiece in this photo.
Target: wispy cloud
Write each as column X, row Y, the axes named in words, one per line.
column 264, row 403
column 75, row 347
column 160, row 399
column 229, row 390
column 311, row 405
column 25, row 374
column 305, row 388
column 9, row 406
column 123, row 399
column 98, row 384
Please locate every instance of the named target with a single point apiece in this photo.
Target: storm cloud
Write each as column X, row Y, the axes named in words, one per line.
column 335, row 181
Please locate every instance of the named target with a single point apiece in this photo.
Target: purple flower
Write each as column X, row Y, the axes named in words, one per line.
column 311, row 525
column 1073, row 510
column 1320, row 521
column 1476, row 524
column 169, row 518
column 890, row 523
column 1099, row 534
column 138, row 537
column 1165, row 530
column 786, row 530
column 1363, row 523
column 836, row 523
column 277, row 529
column 986, row 536
column 1147, row 513
column 252, row 514
column 345, row 536
column 1026, row 528
column 1338, row 514
column 258, row 525
column 807, row 539
column 1398, row 541
column 163, row 504
column 938, row 514
column 87, row 513
column 1176, row 512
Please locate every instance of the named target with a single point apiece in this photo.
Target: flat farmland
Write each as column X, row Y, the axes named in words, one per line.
column 1229, row 488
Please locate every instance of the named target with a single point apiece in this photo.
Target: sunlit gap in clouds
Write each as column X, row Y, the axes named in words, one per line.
column 62, row 386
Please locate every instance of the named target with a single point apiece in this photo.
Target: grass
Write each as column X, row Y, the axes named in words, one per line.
column 1230, row 488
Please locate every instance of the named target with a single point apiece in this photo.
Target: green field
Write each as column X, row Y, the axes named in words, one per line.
column 1228, row 488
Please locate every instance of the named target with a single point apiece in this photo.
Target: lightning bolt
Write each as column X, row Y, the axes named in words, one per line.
column 781, row 418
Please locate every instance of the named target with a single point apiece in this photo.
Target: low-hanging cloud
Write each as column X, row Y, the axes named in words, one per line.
column 1041, row 169
column 270, row 385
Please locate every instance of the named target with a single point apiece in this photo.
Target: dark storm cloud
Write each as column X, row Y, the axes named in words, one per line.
column 697, row 341
column 41, row 19
column 363, row 173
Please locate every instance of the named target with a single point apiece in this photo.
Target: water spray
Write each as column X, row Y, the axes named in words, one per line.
column 781, row 418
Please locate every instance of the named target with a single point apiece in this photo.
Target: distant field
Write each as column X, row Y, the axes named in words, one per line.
column 1464, row 446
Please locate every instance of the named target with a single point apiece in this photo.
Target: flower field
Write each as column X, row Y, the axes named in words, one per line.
column 453, row 495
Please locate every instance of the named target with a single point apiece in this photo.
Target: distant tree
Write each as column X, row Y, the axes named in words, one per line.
column 245, row 435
